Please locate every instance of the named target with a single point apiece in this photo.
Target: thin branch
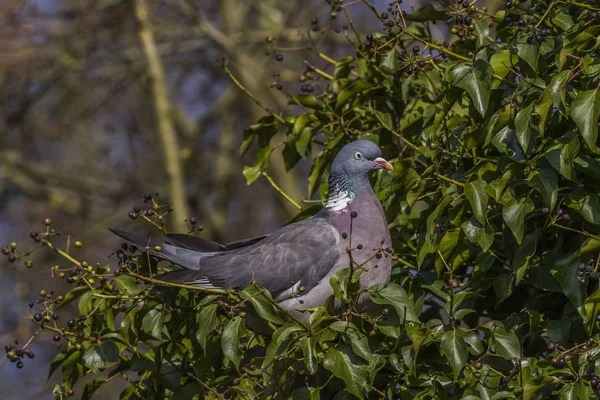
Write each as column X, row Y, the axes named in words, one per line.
column 281, row 192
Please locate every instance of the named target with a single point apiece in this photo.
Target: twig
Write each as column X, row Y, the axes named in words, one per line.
column 281, row 192
column 247, row 93
column 445, row 178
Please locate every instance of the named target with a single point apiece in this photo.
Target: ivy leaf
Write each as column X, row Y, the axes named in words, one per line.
column 501, row 61
column 207, row 322
column 426, row 13
column 453, row 347
column 305, row 100
column 233, row 332
column 261, row 304
column 528, row 53
column 473, row 343
column 91, row 387
column 100, row 356
column 523, row 126
column 316, row 171
column 477, row 196
column 546, row 182
column 341, row 364
column 395, row 295
column 507, row 343
column 262, row 162
column 390, row 61
column 562, row 153
column 127, row 284
column 262, row 132
column 307, row 344
column 476, row 79
column 475, row 232
column 514, row 213
column 585, row 111
column 569, row 391
column 351, row 90
column 64, row 360
column 72, row 295
column 557, row 89
column 152, row 323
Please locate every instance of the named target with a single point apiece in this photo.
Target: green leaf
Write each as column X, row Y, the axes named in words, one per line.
column 305, row 100
column 262, row 162
column 562, row 153
column 523, row 126
column 260, row 301
column 100, row 356
column 514, row 213
column 262, row 131
column 152, row 323
column 476, row 79
column 546, row 182
column 354, row 88
column 72, row 295
column 569, row 392
column 303, row 142
column 358, row 341
column 91, row 387
column 563, row 20
column 569, row 282
column 390, row 61
column 507, row 343
column 525, row 251
column 529, row 53
column 437, row 289
column 557, row 89
column 475, row 232
column 585, row 111
column 315, row 172
column 233, row 332
column 395, row 295
column 341, row 364
column 473, row 343
column 454, row 349
column 290, row 155
column 127, row 284
column 64, row 360
column 308, row 344
column 207, row 322
column 426, row 13
column 477, row 196
column 343, row 285
column 501, row 61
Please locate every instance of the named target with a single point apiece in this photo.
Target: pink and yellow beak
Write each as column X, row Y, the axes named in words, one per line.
column 383, row 163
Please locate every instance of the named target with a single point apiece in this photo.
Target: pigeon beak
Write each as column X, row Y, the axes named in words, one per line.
column 382, row 163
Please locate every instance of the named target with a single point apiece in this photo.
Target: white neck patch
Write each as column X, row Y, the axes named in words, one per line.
column 339, row 201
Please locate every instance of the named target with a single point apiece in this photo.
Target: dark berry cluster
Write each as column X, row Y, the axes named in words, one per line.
column 17, row 353
column 560, row 213
column 463, row 27
column 393, row 15
column 12, row 255
column 412, row 61
column 512, row 374
column 585, row 272
column 153, row 208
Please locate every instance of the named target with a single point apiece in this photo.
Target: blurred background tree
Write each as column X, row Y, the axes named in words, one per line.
column 104, row 100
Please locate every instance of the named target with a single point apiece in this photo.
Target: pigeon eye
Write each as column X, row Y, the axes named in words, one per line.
column 358, row 155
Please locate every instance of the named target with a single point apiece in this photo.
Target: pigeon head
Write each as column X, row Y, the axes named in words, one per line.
column 359, row 159
column 350, row 172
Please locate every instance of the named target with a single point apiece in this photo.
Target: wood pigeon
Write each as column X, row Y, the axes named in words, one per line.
column 295, row 262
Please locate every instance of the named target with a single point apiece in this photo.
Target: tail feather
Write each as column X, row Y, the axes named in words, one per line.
column 185, row 258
